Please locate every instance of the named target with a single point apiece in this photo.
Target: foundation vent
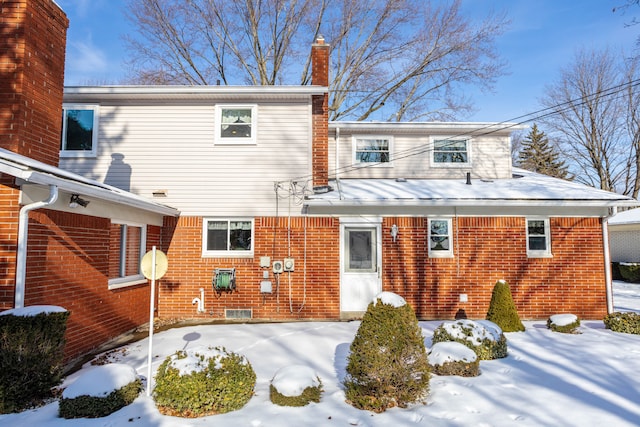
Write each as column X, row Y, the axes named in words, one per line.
column 236, row 314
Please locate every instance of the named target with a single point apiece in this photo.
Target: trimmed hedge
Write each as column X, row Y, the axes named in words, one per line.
column 502, row 309
column 627, row 322
column 483, row 337
column 31, row 356
column 203, row 381
column 630, row 271
column 562, row 326
column 387, row 364
column 453, row 358
column 94, row 407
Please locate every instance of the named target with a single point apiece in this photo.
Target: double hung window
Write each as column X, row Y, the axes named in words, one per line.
column 450, row 152
column 440, row 238
column 127, row 247
column 538, row 238
column 227, row 237
column 236, row 124
column 369, row 150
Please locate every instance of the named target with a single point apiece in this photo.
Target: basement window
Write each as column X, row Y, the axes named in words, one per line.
column 79, row 131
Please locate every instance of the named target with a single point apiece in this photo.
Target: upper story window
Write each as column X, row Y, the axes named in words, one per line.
column 538, row 238
column 79, row 131
column 128, row 243
column 440, row 238
column 368, row 149
column 227, row 237
column 236, row 124
column 450, row 152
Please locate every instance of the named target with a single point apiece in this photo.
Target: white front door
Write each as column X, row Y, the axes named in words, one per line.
column 360, row 272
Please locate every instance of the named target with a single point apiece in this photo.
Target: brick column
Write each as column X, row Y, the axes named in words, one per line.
column 320, row 113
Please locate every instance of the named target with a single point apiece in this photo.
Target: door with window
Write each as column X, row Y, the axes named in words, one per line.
column 361, row 257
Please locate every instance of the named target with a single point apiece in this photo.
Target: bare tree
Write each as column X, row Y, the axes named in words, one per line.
column 400, row 59
column 589, row 114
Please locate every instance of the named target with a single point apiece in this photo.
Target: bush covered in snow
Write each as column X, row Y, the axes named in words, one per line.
column 453, row 358
column 565, row 323
column 295, row 386
column 485, row 338
column 628, row 322
column 31, row 354
column 502, row 309
column 100, row 392
column 203, row 381
column 387, row 364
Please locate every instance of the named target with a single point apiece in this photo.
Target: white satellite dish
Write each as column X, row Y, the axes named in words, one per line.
column 146, row 265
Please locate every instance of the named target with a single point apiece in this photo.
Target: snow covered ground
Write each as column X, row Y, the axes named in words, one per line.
column 548, row 379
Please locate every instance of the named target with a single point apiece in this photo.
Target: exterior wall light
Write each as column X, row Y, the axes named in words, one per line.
column 394, row 232
column 76, row 201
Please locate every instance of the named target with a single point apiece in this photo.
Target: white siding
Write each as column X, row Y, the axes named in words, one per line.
column 490, row 158
column 625, row 245
column 171, row 148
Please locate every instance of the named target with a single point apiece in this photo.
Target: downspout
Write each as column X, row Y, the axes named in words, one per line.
column 23, row 234
column 607, row 259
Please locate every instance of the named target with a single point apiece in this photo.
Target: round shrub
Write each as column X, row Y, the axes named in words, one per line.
column 630, row 271
column 295, row 386
column 565, row 323
column 203, row 381
column 387, row 364
column 100, row 392
column 485, row 338
column 502, row 310
column 627, row 322
column 453, row 358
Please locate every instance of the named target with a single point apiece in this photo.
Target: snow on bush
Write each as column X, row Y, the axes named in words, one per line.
column 390, row 298
column 295, row 385
column 485, row 338
column 566, row 323
column 453, row 358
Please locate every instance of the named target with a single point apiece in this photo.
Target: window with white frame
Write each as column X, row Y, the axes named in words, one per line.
column 227, row 237
column 440, row 238
column 236, row 124
column 79, row 131
column 367, row 149
column 128, row 243
column 450, row 152
column 538, row 238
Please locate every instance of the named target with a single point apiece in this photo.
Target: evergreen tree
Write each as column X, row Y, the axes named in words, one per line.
column 539, row 155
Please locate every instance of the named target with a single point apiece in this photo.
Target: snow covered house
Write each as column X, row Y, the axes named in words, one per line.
column 268, row 211
column 285, row 215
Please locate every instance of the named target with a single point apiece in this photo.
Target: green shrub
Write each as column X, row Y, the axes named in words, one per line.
column 31, row 355
column 615, row 271
column 203, row 381
column 565, row 323
column 453, row 358
column 483, row 337
column 387, row 364
column 630, row 271
column 295, row 386
column 502, row 310
column 627, row 322
column 113, row 386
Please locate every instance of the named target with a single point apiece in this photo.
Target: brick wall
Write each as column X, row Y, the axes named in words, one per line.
column 320, row 115
column 9, row 212
column 487, row 250
column 68, row 265
column 490, row 249
column 32, row 55
column 315, row 296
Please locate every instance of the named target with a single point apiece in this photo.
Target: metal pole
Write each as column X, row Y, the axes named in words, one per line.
column 151, row 306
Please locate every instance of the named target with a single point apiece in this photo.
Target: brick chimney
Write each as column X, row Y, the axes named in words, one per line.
column 32, row 56
column 320, row 115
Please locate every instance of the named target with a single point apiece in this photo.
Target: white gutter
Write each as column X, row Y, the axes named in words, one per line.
column 23, row 234
column 607, row 260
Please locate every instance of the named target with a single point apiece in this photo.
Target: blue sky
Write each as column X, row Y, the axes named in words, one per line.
column 542, row 38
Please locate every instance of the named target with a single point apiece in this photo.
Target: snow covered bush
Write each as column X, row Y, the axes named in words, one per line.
column 485, row 338
column 627, row 322
column 203, row 381
column 100, row 392
column 295, row 386
column 453, row 358
column 566, row 323
column 31, row 354
column 387, row 365
column 502, row 310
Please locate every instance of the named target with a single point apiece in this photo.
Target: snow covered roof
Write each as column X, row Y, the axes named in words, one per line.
column 631, row 216
column 525, row 189
column 35, row 172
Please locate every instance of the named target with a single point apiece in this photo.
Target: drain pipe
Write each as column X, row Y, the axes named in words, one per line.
column 23, row 234
column 607, row 259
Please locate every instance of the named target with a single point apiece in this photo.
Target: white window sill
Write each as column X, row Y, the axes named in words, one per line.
column 124, row 282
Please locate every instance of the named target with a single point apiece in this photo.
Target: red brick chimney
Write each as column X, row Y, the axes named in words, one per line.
column 320, row 113
column 32, row 55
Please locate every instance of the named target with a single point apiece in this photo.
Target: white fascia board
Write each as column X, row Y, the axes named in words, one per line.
column 101, row 193
column 472, row 203
column 475, row 127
